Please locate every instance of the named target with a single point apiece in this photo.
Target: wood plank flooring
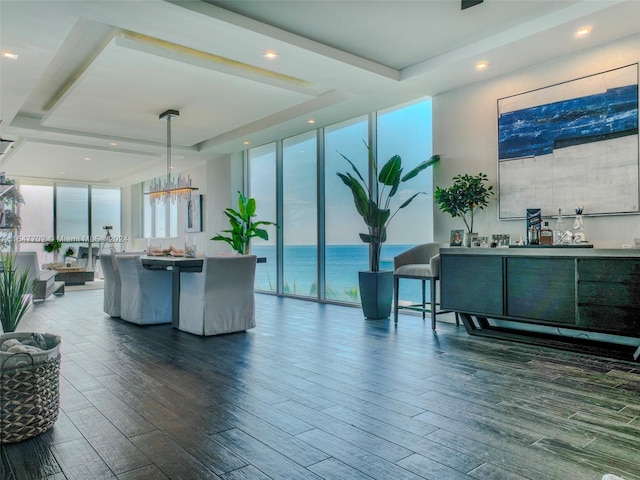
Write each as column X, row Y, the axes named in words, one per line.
column 316, row 392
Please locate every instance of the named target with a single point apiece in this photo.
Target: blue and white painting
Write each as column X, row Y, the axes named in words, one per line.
column 576, row 142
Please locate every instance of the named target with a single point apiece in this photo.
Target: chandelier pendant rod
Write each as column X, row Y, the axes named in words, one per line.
column 169, row 151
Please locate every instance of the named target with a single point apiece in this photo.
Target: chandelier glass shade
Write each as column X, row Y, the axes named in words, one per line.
column 172, row 188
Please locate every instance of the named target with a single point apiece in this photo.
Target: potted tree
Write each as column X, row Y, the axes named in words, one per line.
column 372, row 202
column 243, row 228
column 464, row 198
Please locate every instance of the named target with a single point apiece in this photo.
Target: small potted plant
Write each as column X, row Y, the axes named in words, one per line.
column 54, row 247
column 243, row 227
column 69, row 252
column 464, row 198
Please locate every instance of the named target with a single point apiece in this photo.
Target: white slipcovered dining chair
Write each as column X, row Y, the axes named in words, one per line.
column 145, row 296
column 421, row 262
column 220, row 299
column 112, row 285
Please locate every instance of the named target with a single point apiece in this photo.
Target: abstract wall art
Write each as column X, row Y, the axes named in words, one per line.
column 574, row 142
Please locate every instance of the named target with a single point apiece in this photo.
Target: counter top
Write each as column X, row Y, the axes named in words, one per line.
column 571, row 252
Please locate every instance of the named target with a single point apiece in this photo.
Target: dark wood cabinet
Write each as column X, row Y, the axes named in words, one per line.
column 594, row 291
column 541, row 289
column 609, row 295
column 473, row 284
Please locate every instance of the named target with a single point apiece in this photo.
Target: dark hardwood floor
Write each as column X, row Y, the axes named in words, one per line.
column 317, row 392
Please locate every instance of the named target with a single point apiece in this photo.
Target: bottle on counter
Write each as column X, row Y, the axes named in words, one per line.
column 559, row 229
column 546, row 234
column 533, row 236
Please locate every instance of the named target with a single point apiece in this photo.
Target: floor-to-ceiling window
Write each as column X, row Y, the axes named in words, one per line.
column 284, row 175
column 300, row 214
column 160, row 219
column 262, row 185
column 105, row 212
column 345, row 253
column 406, row 131
column 37, row 219
column 74, row 214
column 72, row 217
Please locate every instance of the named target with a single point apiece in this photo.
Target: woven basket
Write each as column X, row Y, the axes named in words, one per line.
column 29, row 390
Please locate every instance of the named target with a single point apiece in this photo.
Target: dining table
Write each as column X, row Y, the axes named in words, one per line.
column 177, row 265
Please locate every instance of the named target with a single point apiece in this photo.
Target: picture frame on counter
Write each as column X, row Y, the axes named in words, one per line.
column 501, row 239
column 479, row 242
column 455, row 239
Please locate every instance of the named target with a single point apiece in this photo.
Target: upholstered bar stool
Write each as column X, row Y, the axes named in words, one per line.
column 419, row 263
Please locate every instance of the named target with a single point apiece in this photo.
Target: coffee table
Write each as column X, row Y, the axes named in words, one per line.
column 71, row 275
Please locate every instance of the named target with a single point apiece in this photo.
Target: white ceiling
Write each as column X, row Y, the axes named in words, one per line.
column 91, row 74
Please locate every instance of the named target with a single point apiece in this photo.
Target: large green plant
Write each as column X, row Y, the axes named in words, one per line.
column 243, row 228
column 465, row 197
column 373, row 201
column 14, row 293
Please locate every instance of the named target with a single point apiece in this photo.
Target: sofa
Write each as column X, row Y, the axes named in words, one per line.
column 44, row 282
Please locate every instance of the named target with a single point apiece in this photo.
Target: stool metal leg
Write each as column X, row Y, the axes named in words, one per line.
column 433, row 303
column 424, row 301
column 396, row 287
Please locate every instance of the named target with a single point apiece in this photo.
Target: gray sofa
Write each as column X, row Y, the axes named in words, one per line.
column 44, row 281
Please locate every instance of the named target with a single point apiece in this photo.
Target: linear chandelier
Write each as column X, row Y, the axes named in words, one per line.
column 171, row 189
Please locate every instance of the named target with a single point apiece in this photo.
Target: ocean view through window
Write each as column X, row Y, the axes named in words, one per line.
column 405, row 131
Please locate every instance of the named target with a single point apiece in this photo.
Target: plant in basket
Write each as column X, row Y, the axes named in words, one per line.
column 15, row 291
column 29, row 363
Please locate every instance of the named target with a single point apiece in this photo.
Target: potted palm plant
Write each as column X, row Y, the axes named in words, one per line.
column 464, row 198
column 243, row 227
column 373, row 203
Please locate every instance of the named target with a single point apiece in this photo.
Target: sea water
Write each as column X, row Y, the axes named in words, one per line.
column 343, row 262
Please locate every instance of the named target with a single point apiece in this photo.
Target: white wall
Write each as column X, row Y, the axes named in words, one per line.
column 465, row 135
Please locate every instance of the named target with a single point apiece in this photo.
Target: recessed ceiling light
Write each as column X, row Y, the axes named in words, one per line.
column 246, row 142
column 113, row 144
column 12, row 56
column 87, row 158
column 270, row 55
column 482, row 65
column 311, row 121
column 583, row 32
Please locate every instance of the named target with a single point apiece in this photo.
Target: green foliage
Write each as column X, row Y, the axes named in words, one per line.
column 352, row 294
column 14, row 294
column 465, row 197
column 8, row 203
column 13, row 197
column 53, row 246
column 372, row 202
column 69, row 252
column 243, row 228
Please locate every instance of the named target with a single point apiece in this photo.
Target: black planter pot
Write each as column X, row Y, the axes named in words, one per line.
column 376, row 293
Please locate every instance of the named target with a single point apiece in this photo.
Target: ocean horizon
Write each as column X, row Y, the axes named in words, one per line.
column 343, row 262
